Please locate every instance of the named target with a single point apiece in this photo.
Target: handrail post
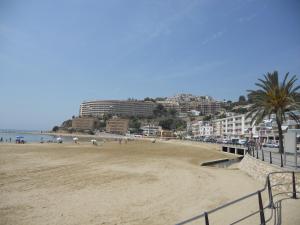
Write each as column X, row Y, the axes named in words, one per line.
column 263, row 157
column 257, row 153
column 294, row 185
column 206, row 218
column 270, row 157
column 281, row 161
column 270, row 192
column 261, row 209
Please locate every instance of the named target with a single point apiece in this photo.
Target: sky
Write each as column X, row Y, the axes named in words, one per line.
column 54, row 54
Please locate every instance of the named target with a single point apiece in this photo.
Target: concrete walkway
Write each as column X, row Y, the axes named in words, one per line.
column 289, row 163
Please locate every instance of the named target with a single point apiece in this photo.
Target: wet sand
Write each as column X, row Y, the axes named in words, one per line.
column 134, row 183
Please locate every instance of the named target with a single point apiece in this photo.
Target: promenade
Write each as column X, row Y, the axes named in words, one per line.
column 269, row 155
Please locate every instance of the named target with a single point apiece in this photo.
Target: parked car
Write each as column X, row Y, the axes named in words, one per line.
column 225, row 141
column 235, row 141
column 242, row 142
column 271, row 145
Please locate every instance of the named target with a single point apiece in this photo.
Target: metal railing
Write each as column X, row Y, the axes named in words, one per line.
column 272, row 157
column 272, row 205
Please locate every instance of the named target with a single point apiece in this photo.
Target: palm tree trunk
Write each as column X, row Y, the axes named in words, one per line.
column 281, row 149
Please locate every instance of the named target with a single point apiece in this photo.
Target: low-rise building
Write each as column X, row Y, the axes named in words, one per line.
column 202, row 129
column 85, row 123
column 218, row 128
column 195, row 113
column 236, row 126
column 167, row 134
column 117, row 126
column 151, row 130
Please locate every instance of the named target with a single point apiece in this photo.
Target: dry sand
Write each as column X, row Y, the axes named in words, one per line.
column 133, row 183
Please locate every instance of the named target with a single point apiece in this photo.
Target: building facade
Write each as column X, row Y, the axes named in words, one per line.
column 202, row 129
column 151, row 130
column 85, row 123
column 117, row 126
column 117, row 107
column 236, row 126
column 186, row 102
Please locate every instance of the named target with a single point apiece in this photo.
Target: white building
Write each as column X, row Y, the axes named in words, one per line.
column 116, row 107
column 195, row 112
column 236, row 126
column 151, row 130
column 202, row 129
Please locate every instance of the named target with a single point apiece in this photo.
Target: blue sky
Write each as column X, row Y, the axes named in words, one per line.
column 54, row 53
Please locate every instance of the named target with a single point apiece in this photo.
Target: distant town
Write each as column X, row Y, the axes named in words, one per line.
column 183, row 116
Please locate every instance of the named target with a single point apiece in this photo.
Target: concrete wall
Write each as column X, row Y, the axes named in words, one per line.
column 259, row 171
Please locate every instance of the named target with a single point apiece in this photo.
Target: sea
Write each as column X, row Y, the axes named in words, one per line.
column 29, row 136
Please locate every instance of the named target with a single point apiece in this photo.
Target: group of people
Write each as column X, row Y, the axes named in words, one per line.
column 6, row 140
column 120, row 140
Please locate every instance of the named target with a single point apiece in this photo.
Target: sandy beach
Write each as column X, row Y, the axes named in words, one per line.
column 134, row 183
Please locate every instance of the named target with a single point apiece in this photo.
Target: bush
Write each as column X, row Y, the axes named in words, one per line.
column 55, row 128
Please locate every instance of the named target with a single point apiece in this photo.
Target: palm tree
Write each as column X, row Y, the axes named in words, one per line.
column 273, row 97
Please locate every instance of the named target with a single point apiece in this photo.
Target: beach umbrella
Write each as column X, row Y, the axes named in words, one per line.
column 59, row 140
column 19, row 137
column 94, row 142
column 75, row 139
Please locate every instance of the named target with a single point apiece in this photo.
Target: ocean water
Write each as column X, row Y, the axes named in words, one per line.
column 10, row 136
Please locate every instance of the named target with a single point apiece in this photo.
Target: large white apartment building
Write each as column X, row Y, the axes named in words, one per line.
column 201, row 129
column 117, row 107
column 237, row 126
column 233, row 127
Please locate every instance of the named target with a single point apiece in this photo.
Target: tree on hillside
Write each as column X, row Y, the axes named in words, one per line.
column 172, row 112
column 275, row 97
column 134, row 124
column 159, row 99
column 172, row 124
column 240, row 110
column 160, row 111
column 66, row 124
column 242, row 99
column 107, row 116
column 167, row 124
column 147, row 99
column 249, row 96
column 207, row 118
column 55, row 128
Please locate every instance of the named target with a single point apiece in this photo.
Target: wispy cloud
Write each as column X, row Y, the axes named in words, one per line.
column 247, row 18
column 164, row 27
column 213, row 37
column 190, row 71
